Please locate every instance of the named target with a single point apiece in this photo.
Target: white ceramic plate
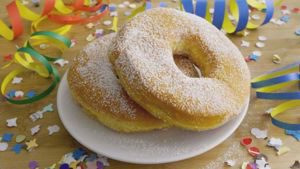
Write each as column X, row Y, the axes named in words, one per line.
column 154, row 147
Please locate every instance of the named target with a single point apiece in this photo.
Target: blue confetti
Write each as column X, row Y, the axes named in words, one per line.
column 112, row 7
column 11, row 94
column 78, row 153
column 31, row 94
column 17, row 148
column 285, row 18
column 7, row 137
column 163, row 4
column 297, row 32
column 253, row 57
column 294, row 133
column 64, row 166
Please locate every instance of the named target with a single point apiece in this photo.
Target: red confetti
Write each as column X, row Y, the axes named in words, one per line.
column 8, row 57
column 296, row 10
column 247, row 59
column 253, row 151
column 246, row 141
column 283, row 7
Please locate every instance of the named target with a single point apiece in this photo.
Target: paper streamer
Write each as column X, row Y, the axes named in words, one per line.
column 31, row 60
column 267, row 84
column 55, row 10
column 233, row 20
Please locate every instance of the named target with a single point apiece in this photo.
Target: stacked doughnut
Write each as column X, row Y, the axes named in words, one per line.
column 163, row 68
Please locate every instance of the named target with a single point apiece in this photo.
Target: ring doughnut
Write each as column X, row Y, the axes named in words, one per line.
column 96, row 88
column 142, row 56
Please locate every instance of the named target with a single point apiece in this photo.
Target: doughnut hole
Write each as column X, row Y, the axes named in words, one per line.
column 186, row 66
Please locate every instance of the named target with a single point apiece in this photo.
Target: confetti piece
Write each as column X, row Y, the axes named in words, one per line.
column 35, row 129
column 245, row 43
column 99, row 33
column 64, row 166
column 67, row 158
column 275, row 142
column 260, row 44
column 53, row 129
column 107, row 22
column 294, row 133
column 262, row 38
column 277, row 21
column 257, row 53
column 37, row 115
column 255, row 17
column 253, row 151
column 31, row 145
column 285, row 12
column 31, row 94
column 8, row 57
column 17, row 148
column 296, row 165
column 44, row 46
column 103, row 159
column 276, row 59
column 19, row 94
column 91, row 164
column 74, row 164
column 285, row 18
column 100, row 165
column 61, row 62
column 113, row 14
column 246, row 141
column 260, row 134
column 253, row 57
column 7, row 137
column 230, row 163
column 282, row 150
column 262, row 164
column 12, row 122
column 48, row 108
column 297, row 32
column 11, row 94
column 90, row 37
column 89, row 25
column 112, row 7
column 127, row 13
column 3, row 146
column 78, row 153
column 33, row 165
column 121, row 6
column 17, row 80
column 20, row 138
column 132, row 6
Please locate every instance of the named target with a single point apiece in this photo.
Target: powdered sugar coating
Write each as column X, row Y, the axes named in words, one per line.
column 142, row 56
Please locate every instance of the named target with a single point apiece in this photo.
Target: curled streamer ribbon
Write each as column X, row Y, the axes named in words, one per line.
column 268, row 83
column 54, row 10
column 239, row 10
column 27, row 57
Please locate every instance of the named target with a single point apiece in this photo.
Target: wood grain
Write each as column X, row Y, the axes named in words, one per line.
column 281, row 41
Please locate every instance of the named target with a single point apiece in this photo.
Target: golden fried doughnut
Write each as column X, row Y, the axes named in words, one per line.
column 142, row 56
column 96, row 88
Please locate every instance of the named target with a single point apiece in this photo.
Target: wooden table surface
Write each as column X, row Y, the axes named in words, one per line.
column 281, row 41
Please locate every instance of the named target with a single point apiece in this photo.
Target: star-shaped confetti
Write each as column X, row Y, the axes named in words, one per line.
column 17, row 80
column 61, row 62
column 31, row 94
column 78, row 153
column 31, row 144
column 260, row 134
column 35, row 129
column 7, row 137
column 294, row 133
column 245, row 43
column 17, row 148
column 53, row 129
column 3, row 146
column 48, row 108
column 11, row 122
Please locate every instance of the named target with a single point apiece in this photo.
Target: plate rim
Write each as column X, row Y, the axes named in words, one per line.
column 196, row 153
